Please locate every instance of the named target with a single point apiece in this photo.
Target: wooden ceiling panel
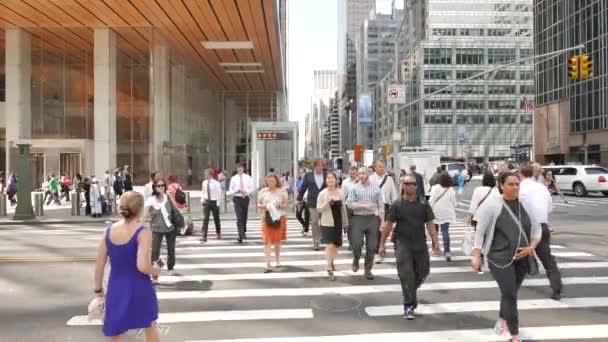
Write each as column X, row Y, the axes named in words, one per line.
column 67, row 26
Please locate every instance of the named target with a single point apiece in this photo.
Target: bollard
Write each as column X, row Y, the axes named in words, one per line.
column 38, row 203
column 187, row 200
column 75, row 203
column 3, row 199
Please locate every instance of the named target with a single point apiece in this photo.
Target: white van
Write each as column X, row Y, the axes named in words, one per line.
column 454, row 168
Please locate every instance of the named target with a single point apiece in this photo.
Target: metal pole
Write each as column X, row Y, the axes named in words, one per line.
column 578, row 47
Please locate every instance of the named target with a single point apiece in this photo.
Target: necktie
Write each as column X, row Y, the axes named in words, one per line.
column 208, row 190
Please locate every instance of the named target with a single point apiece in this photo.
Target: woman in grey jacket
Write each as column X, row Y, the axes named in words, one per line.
column 161, row 216
column 503, row 232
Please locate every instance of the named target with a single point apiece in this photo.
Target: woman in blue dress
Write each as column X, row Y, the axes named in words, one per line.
column 130, row 300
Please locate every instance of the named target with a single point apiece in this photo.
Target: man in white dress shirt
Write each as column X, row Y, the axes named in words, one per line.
column 148, row 187
column 241, row 186
column 386, row 184
column 347, row 185
column 211, row 193
column 536, row 199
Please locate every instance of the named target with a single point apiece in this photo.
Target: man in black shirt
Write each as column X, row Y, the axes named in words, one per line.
column 411, row 252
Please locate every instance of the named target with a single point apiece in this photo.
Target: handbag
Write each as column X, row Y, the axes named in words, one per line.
column 177, row 219
column 97, row 309
column 533, row 268
column 270, row 222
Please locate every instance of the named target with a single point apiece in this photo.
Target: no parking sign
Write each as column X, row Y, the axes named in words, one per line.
column 396, row 94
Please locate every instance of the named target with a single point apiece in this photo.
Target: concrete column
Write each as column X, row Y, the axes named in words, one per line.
column 160, row 99
column 104, row 73
column 24, row 210
column 18, row 117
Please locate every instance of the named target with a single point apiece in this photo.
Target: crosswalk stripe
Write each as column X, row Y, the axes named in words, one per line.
column 210, row 316
column 562, row 332
column 317, row 274
column 529, row 304
column 362, row 289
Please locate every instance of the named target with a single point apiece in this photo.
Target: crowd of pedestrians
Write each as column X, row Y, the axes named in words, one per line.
column 509, row 215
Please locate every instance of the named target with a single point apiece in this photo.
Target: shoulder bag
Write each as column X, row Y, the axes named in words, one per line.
column 533, row 268
column 473, row 222
column 440, row 196
column 177, row 219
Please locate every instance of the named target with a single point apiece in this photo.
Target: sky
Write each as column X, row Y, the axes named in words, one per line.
column 313, row 43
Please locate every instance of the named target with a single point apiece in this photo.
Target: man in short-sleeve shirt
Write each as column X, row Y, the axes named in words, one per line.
column 411, row 252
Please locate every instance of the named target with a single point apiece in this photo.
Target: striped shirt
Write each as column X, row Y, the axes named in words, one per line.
column 368, row 193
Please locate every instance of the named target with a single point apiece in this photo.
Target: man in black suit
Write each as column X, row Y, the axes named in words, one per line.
column 314, row 182
column 420, row 194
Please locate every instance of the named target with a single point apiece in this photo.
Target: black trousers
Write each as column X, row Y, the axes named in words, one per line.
column 412, row 267
column 509, row 281
column 241, row 209
column 303, row 216
column 157, row 241
column 208, row 208
column 543, row 251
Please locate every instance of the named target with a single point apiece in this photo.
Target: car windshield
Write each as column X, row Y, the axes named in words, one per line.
column 596, row 171
column 456, row 167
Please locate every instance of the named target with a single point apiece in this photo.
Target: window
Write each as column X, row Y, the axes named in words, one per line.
column 437, row 56
column 525, row 119
column 471, row 32
column 469, row 56
column 494, row 119
column 502, row 104
column 526, row 89
column 444, row 32
column 596, row 171
column 499, row 32
column 500, row 89
column 525, row 75
column 501, row 56
column 464, row 74
column 568, row 171
column 438, row 104
column 501, row 75
column 460, row 104
column 525, row 53
column 437, row 75
column 469, row 89
column 433, row 88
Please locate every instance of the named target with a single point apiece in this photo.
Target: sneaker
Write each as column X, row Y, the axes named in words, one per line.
column 355, row 266
column 203, row 239
column 409, row 313
column 219, row 236
column 557, row 295
column 379, row 260
column 316, row 248
column 501, row 328
column 369, row 275
column 303, row 232
column 331, row 275
column 448, row 258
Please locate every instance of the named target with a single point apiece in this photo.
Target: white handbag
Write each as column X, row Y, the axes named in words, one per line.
column 467, row 242
column 97, row 309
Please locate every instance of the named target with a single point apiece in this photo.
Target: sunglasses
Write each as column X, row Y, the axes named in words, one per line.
column 410, row 184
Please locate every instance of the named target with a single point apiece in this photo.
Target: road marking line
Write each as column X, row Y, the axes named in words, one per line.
column 362, row 289
column 529, row 304
column 316, row 274
column 563, row 332
column 211, row 316
column 46, row 259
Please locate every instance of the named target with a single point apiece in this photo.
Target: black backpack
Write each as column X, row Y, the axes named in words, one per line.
column 180, row 196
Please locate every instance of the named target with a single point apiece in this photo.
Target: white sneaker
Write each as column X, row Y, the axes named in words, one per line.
column 379, row 259
column 501, row 328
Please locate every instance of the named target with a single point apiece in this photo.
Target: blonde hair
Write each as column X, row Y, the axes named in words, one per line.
column 131, row 204
column 276, row 178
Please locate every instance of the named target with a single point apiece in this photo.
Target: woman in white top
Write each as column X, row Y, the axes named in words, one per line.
column 332, row 221
column 481, row 195
column 273, row 201
column 443, row 202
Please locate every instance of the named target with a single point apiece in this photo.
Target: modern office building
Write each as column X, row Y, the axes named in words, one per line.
column 324, row 88
column 331, row 141
column 447, row 41
column 375, row 56
column 351, row 15
column 157, row 85
column 571, row 116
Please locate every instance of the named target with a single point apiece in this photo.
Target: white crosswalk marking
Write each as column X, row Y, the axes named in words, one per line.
column 221, row 280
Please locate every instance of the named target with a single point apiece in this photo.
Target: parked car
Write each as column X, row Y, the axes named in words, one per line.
column 580, row 179
column 454, row 168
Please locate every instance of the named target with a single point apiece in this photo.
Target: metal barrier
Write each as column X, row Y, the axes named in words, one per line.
column 75, row 195
column 38, row 203
column 3, row 200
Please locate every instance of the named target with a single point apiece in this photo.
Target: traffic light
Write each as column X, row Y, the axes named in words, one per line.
column 573, row 67
column 586, row 67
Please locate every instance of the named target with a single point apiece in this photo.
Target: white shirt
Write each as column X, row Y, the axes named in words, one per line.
column 215, row 189
column 536, row 199
column 148, row 191
column 238, row 182
column 478, row 195
column 444, row 208
column 347, row 184
column 388, row 190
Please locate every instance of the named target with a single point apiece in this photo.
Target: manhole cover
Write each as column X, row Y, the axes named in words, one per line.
column 336, row 303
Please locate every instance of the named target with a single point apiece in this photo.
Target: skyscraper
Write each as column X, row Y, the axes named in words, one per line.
column 571, row 116
column 325, row 85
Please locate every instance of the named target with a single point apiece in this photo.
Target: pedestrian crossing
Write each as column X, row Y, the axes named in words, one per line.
column 558, row 203
column 218, row 292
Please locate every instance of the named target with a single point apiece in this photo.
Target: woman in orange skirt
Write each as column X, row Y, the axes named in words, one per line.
column 273, row 200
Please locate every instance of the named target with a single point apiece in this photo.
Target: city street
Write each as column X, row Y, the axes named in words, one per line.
column 220, row 292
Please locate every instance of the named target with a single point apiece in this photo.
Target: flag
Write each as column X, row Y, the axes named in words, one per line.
column 527, row 105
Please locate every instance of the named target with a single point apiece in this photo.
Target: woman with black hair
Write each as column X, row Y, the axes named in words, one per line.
column 507, row 238
column 481, row 194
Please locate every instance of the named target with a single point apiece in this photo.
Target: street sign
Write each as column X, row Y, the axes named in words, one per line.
column 395, row 94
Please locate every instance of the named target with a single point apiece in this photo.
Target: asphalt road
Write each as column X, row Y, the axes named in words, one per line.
column 220, row 292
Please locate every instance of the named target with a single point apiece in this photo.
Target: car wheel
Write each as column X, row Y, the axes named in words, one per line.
column 579, row 190
column 605, row 193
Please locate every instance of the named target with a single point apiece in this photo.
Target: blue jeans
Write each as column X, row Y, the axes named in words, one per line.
column 445, row 233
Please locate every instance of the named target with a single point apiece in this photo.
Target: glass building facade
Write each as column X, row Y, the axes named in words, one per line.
column 571, row 116
column 486, row 118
